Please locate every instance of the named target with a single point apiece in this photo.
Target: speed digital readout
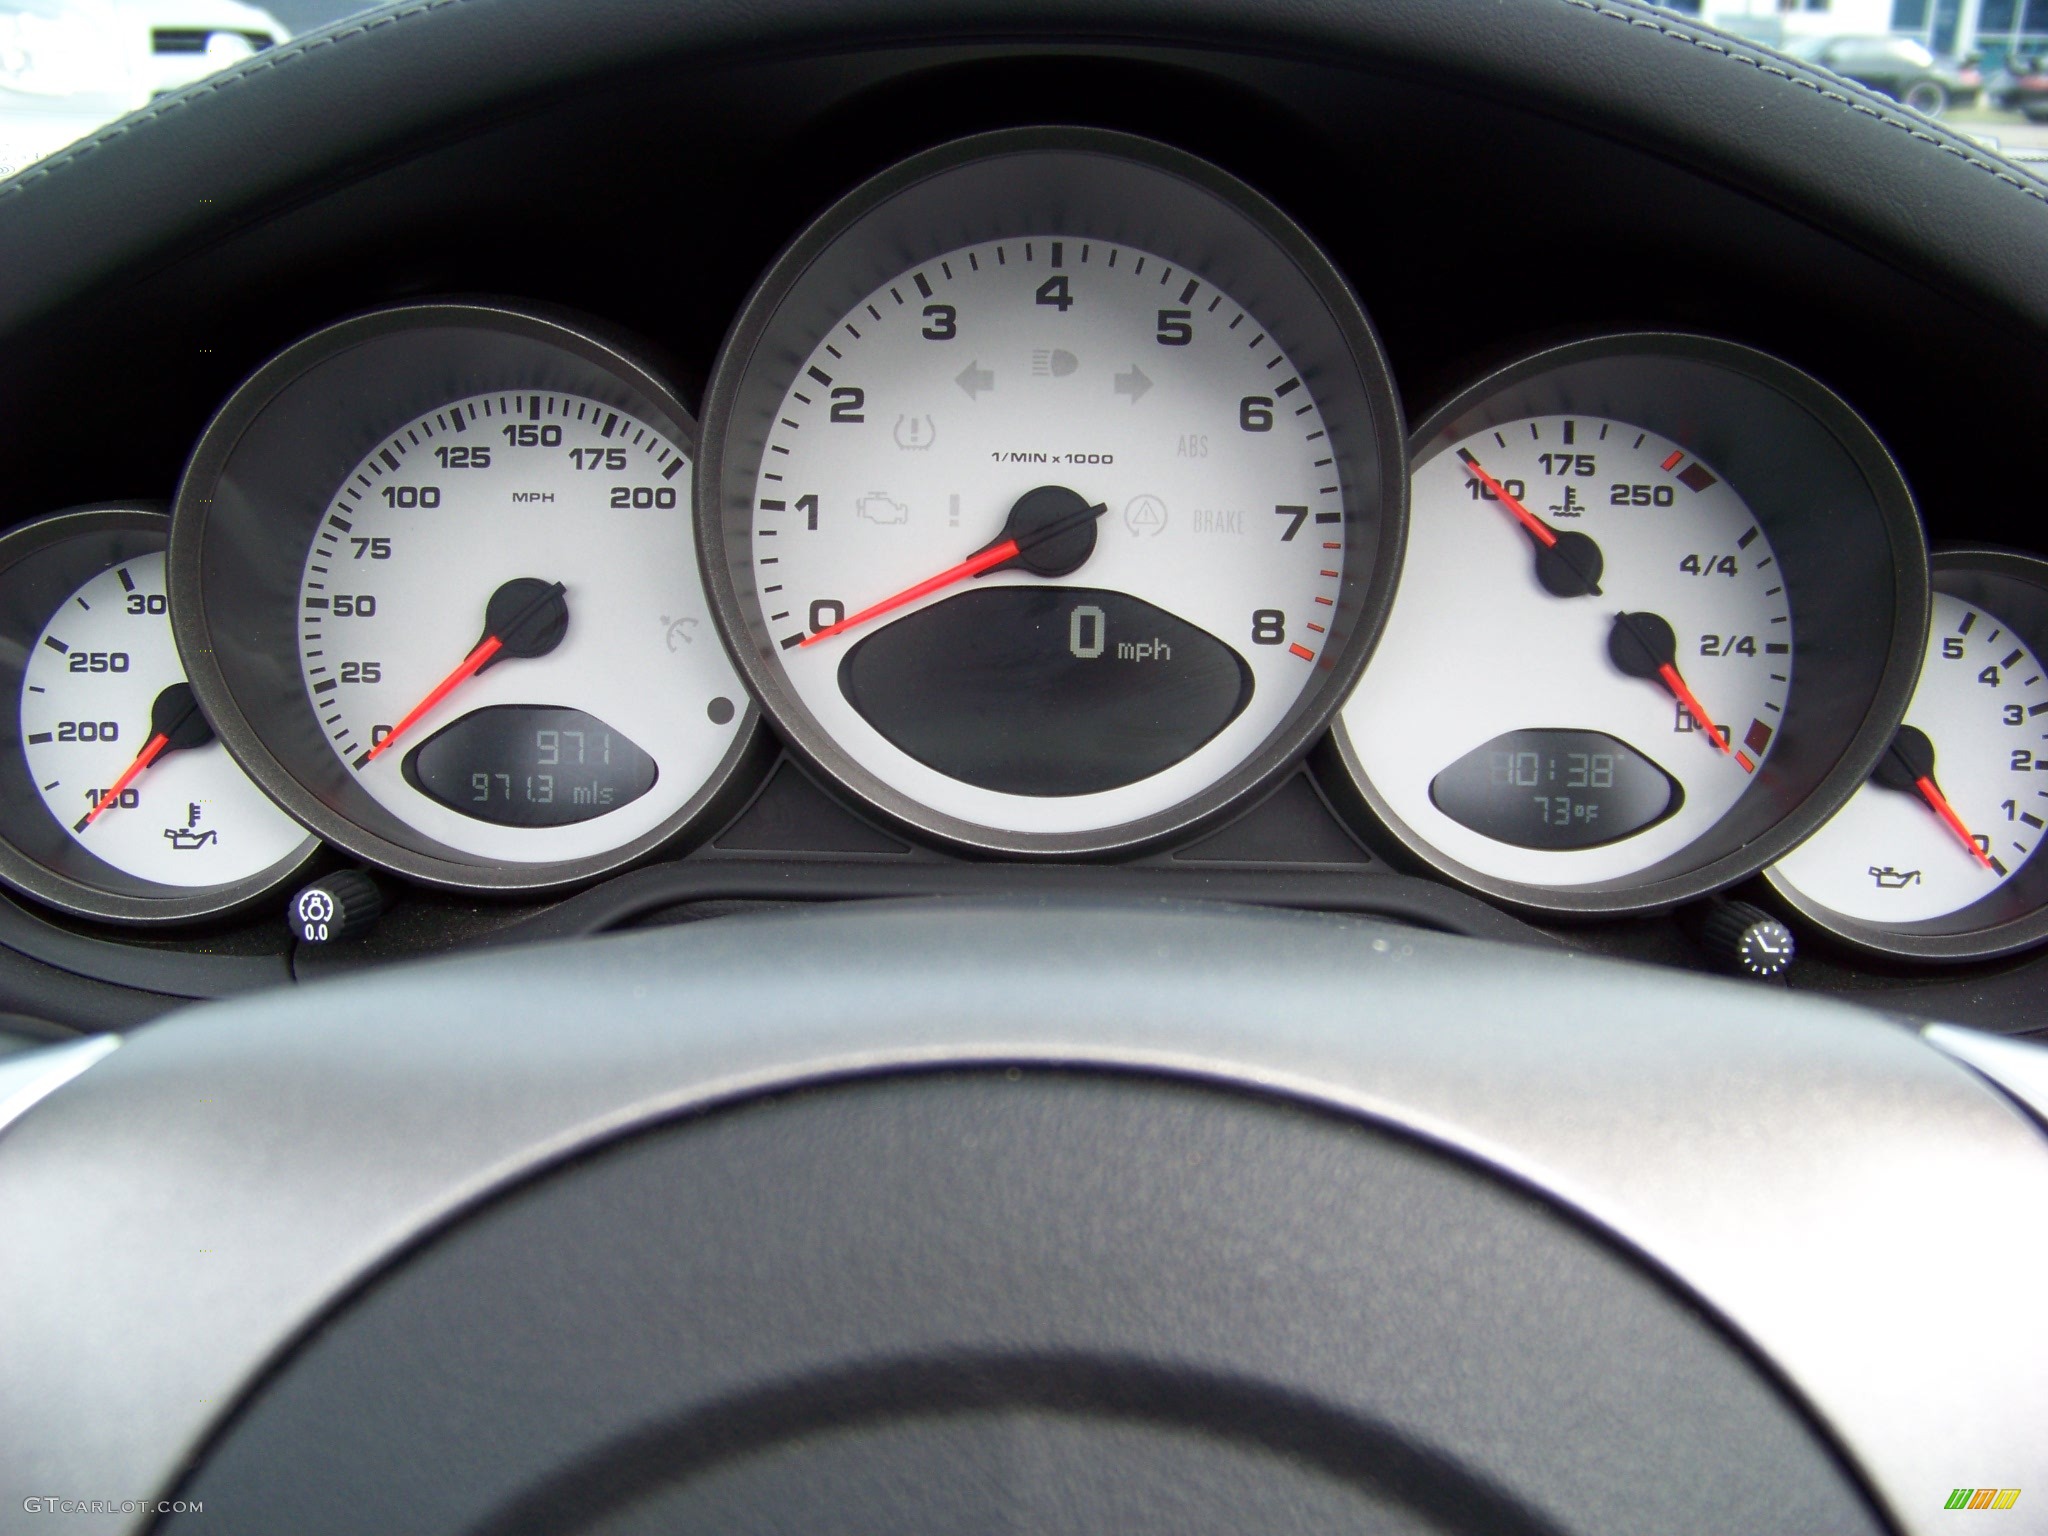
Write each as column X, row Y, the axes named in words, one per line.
column 531, row 765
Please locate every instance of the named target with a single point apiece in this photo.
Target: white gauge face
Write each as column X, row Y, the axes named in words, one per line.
column 1105, row 378
column 1889, row 856
column 1535, row 731
column 191, row 818
column 560, row 529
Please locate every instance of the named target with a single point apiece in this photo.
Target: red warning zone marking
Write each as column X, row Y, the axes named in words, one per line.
column 1303, row 652
column 1676, row 455
column 1747, row 765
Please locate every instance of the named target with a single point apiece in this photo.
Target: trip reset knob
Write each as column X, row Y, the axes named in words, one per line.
column 336, row 908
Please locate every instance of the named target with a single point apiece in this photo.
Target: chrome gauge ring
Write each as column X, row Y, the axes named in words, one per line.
column 117, row 800
column 1053, row 492
column 1661, row 608
column 1934, row 856
column 434, row 566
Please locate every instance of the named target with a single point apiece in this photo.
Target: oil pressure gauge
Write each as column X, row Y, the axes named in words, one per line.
column 1934, row 857
column 119, row 801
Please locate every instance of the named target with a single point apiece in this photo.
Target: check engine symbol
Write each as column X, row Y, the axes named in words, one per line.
column 1050, row 532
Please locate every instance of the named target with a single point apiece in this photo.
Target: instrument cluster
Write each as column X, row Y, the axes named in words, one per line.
column 1053, row 498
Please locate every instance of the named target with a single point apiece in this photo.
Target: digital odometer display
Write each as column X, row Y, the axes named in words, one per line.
column 1046, row 690
column 1555, row 789
column 531, row 765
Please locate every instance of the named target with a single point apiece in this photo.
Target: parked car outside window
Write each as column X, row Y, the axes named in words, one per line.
column 1898, row 67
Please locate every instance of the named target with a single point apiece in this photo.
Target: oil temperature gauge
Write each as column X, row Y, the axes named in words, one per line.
column 1933, row 858
column 119, row 801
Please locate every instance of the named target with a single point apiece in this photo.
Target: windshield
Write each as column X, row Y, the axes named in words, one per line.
column 67, row 67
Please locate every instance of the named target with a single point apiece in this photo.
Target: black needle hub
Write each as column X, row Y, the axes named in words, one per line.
column 1054, row 529
column 1908, row 760
column 529, row 617
column 175, row 716
column 1642, row 644
column 1572, row 566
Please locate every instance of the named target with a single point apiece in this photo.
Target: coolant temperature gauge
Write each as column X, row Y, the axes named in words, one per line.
column 119, row 801
column 1661, row 605
column 1934, row 855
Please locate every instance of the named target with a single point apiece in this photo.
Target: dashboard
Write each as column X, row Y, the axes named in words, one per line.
column 1044, row 494
column 755, row 751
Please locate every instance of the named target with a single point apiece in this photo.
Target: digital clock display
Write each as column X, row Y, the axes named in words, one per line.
column 1556, row 789
column 530, row 765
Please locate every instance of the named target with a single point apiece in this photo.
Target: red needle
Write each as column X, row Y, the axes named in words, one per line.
column 1543, row 532
column 112, row 797
column 1692, row 705
column 486, row 648
column 973, row 565
column 1947, row 813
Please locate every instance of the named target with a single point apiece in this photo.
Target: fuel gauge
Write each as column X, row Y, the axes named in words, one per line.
column 1933, row 857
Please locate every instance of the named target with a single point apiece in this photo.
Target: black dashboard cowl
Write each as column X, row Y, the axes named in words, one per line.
column 347, row 98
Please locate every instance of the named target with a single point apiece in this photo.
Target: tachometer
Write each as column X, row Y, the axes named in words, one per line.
column 116, row 800
column 468, row 529
column 1655, row 620
column 1052, row 493
column 1934, row 857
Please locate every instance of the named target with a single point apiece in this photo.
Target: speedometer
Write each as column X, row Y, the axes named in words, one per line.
column 435, row 569
column 1660, row 611
column 1053, row 494
column 496, row 551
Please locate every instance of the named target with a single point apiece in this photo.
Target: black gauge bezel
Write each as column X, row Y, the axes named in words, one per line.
column 256, row 487
column 2013, row 587
column 1847, row 536
column 41, row 564
column 1057, row 181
